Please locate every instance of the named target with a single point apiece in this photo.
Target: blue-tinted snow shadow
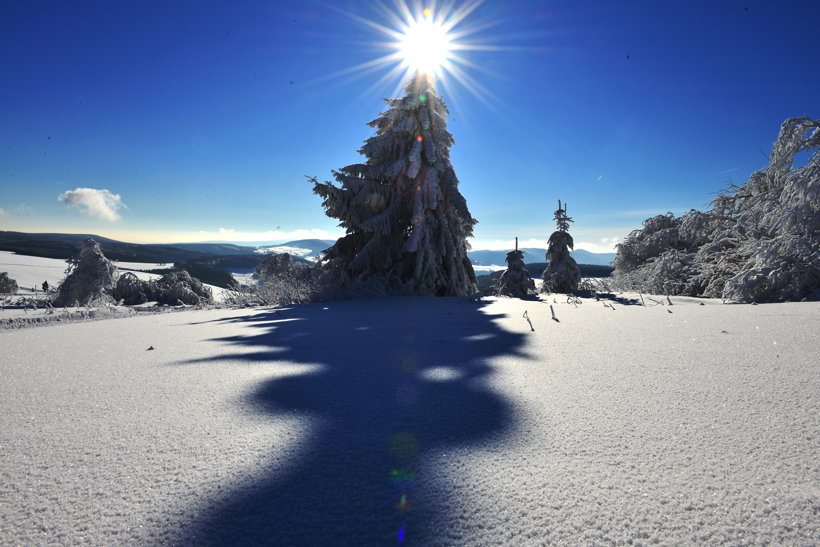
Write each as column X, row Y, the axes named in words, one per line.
column 401, row 379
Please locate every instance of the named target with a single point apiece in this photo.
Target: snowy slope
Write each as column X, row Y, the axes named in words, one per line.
column 440, row 421
column 31, row 271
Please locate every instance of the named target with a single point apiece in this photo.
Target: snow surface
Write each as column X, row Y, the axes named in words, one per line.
column 31, row 271
column 307, row 425
column 483, row 270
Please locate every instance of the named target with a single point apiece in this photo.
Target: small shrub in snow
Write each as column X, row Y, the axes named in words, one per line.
column 294, row 286
column 177, row 288
column 174, row 288
column 130, row 290
column 7, row 285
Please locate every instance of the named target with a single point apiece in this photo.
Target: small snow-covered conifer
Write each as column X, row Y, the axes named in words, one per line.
column 562, row 273
column 516, row 281
column 405, row 220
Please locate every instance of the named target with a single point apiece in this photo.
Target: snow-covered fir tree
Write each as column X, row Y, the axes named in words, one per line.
column 7, row 285
column 90, row 278
column 562, row 273
column 405, row 220
column 516, row 280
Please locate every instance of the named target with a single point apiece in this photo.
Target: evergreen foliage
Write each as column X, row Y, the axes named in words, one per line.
column 759, row 242
column 562, row 273
column 516, row 280
column 406, row 222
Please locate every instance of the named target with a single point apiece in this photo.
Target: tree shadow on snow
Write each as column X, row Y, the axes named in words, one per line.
column 400, row 380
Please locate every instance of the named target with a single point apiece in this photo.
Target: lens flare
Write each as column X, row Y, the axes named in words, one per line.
column 402, row 479
column 425, row 45
column 403, row 504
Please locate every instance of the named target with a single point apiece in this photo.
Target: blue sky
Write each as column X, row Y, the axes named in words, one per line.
column 200, row 119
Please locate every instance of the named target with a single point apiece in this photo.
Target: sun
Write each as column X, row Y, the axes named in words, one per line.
column 425, row 45
column 433, row 41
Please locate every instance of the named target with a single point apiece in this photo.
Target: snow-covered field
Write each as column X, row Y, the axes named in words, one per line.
column 31, row 271
column 483, row 270
column 420, row 421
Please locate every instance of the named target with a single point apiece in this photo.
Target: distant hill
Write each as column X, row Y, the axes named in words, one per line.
column 488, row 258
column 66, row 245
column 305, row 248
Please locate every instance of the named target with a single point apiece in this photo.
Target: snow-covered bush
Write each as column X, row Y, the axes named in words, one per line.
column 405, row 220
column 757, row 243
column 562, row 273
column 298, row 285
column 7, row 285
column 173, row 288
column 178, row 287
column 130, row 290
column 89, row 280
column 516, row 280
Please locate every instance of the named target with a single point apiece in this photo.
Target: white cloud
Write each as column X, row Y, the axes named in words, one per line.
column 98, row 203
column 602, row 245
column 2, row 211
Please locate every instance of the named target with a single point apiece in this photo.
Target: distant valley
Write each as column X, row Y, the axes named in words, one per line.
column 215, row 262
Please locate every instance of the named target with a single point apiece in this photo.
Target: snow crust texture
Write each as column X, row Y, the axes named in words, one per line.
column 416, row 421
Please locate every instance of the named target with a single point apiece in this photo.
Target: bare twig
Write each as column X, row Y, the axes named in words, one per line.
column 527, row 317
column 553, row 314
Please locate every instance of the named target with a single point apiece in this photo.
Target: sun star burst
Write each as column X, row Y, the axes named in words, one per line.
column 434, row 41
column 425, row 45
